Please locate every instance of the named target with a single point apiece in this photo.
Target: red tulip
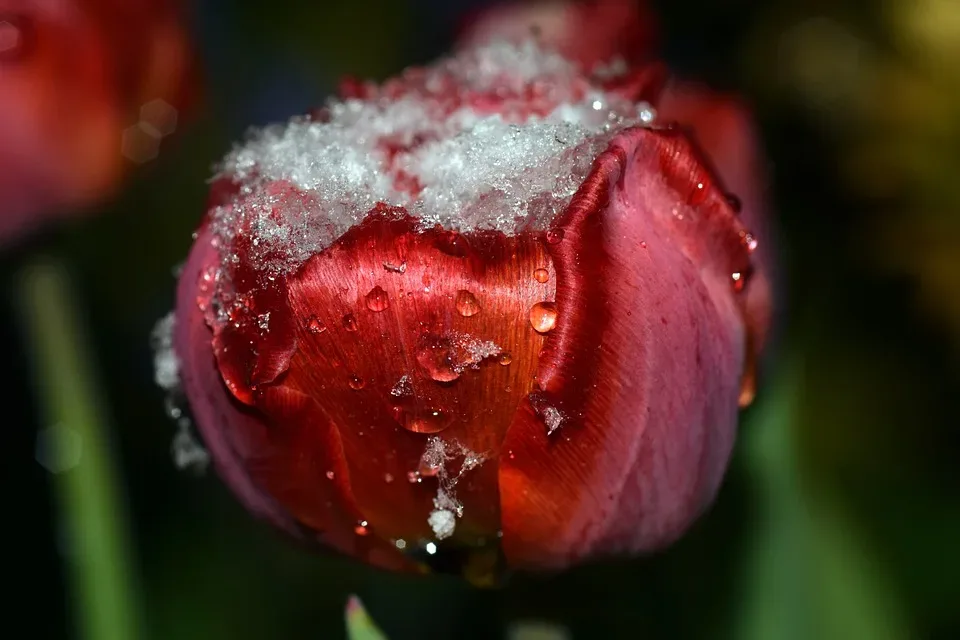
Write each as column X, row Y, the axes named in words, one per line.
column 86, row 86
column 594, row 32
column 483, row 301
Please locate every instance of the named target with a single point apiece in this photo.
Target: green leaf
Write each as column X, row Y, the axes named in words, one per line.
column 360, row 626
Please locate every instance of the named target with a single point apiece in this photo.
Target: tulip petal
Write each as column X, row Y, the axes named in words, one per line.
column 212, row 406
column 721, row 126
column 588, row 31
column 643, row 366
column 381, row 347
column 275, row 454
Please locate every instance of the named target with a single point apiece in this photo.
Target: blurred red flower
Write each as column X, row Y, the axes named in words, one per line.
column 86, row 87
column 487, row 302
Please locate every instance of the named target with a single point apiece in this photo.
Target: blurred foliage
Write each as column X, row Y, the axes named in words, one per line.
column 840, row 515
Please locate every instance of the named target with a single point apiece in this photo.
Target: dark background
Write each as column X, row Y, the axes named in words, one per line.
column 840, row 515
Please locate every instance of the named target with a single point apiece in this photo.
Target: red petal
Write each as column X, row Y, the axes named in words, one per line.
column 644, row 363
column 354, row 349
column 275, row 456
column 723, row 128
column 590, row 32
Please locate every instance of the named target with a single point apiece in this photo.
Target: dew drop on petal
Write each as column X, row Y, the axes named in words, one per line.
column 436, row 358
column 554, row 236
column 377, row 300
column 330, row 475
column 738, row 281
column 357, row 383
column 467, row 304
column 429, row 468
column 362, row 528
column 413, row 477
column 429, row 420
column 541, row 275
column 543, row 317
column 314, row 325
column 505, row 359
column 350, row 322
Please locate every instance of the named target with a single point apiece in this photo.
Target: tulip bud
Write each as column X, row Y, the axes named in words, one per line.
column 489, row 303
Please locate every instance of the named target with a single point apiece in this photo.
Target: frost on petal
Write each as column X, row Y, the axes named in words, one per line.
column 439, row 459
column 498, row 137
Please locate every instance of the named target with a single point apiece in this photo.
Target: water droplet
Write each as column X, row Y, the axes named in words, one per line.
column 505, row 359
column 749, row 241
column 543, row 317
column 467, row 304
column 429, row 420
column 388, row 478
column 357, row 383
column 738, row 281
column 413, row 477
column 554, row 236
column 541, row 275
column 643, row 245
column 350, row 322
column 429, row 468
column 330, row 475
column 314, row 325
column 437, row 359
column 377, row 300
column 362, row 528
column 15, row 31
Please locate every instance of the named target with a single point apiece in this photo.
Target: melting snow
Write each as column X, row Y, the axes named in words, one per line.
column 447, row 508
column 187, row 452
column 431, row 143
column 166, row 365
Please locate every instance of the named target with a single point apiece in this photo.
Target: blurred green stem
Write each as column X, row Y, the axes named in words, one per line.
column 812, row 574
column 91, row 518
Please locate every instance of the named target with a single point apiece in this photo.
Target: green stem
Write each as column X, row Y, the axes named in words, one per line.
column 90, row 514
